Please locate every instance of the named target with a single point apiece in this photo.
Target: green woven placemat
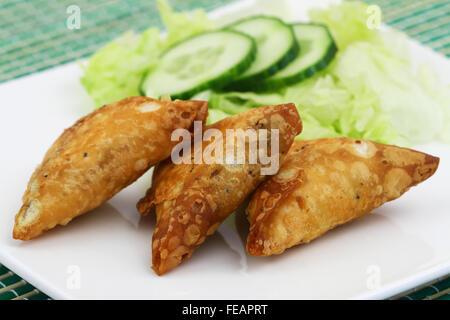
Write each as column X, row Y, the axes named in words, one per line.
column 34, row 37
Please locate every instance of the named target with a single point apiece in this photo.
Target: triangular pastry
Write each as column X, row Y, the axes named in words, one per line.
column 325, row 183
column 192, row 200
column 98, row 156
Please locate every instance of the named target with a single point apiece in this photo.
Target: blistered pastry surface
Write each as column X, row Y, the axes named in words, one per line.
column 326, row 182
column 98, row 156
column 193, row 199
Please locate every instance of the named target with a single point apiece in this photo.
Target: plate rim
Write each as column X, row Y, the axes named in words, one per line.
column 386, row 291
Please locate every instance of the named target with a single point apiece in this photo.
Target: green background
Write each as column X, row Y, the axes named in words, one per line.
column 34, row 37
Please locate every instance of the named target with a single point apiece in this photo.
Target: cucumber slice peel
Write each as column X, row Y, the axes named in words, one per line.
column 317, row 50
column 207, row 60
column 276, row 45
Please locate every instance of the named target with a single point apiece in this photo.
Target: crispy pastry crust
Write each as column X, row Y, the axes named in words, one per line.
column 98, row 156
column 193, row 199
column 325, row 183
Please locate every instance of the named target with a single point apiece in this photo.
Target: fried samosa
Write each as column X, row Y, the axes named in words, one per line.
column 192, row 200
column 98, row 156
column 325, row 183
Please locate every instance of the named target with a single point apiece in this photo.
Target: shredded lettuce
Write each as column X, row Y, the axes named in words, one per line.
column 215, row 115
column 414, row 113
column 327, row 109
column 182, row 25
column 370, row 91
column 116, row 70
column 347, row 22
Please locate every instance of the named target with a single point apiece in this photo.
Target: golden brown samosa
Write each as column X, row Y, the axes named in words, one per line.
column 192, row 200
column 325, row 183
column 98, row 156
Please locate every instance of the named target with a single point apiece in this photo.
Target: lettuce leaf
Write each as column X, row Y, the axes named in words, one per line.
column 327, row 109
column 215, row 115
column 370, row 91
column 347, row 22
column 182, row 25
column 413, row 112
column 115, row 71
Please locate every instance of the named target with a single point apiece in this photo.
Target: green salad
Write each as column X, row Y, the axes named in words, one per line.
column 345, row 79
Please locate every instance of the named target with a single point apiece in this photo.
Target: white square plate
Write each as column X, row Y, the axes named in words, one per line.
column 401, row 245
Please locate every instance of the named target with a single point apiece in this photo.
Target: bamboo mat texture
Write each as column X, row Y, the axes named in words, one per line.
column 34, row 37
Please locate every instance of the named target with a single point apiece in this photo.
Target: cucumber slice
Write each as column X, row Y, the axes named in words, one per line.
column 210, row 59
column 317, row 50
column 276, row 45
